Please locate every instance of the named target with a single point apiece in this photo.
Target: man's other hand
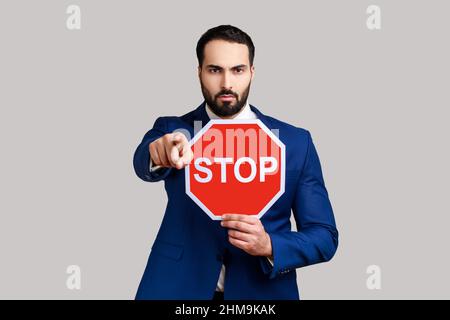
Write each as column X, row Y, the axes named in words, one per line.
column 247, row 233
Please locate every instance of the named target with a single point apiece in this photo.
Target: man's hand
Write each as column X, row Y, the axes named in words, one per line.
column 248, row 234
column 171, row 150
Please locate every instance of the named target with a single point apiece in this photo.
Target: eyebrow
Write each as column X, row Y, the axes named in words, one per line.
column 220, row 68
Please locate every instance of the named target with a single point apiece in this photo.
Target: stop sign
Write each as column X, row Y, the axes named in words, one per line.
column 238, row 167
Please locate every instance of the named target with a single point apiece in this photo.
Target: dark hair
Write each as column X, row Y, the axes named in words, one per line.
column 227, row 33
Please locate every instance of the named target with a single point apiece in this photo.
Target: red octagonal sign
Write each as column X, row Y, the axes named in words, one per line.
column 238, row 167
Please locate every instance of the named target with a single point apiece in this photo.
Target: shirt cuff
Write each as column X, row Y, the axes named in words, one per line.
column 270, row 260
column 151, row 167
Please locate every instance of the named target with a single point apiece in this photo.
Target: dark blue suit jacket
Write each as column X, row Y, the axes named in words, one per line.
column 190, row 247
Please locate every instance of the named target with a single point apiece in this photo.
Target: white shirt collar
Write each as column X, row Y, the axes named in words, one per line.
column 245, row 113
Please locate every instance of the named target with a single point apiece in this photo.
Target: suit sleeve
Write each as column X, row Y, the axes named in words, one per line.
column 317, row 237
column 141, row 159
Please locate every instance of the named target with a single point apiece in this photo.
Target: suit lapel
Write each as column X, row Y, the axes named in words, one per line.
column 201, row 115
column 261, row 116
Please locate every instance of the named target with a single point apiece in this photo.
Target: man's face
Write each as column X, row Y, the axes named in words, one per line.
column 225, row 77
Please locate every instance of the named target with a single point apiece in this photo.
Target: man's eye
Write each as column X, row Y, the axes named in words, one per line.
column 214, row 70
column 240, row 70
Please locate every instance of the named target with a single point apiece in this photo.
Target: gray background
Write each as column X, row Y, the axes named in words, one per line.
column 75, row 104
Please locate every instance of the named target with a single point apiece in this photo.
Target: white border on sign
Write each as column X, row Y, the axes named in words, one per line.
column 238, row 121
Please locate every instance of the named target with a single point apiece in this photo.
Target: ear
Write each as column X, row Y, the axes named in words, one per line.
column 199, row 71
column 252, row 70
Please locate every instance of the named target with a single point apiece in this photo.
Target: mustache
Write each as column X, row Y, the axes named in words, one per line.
column 227, row 92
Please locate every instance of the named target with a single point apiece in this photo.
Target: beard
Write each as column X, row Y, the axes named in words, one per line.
column 225, row 108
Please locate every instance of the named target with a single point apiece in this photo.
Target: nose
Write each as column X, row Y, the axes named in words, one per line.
column 226, row 81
